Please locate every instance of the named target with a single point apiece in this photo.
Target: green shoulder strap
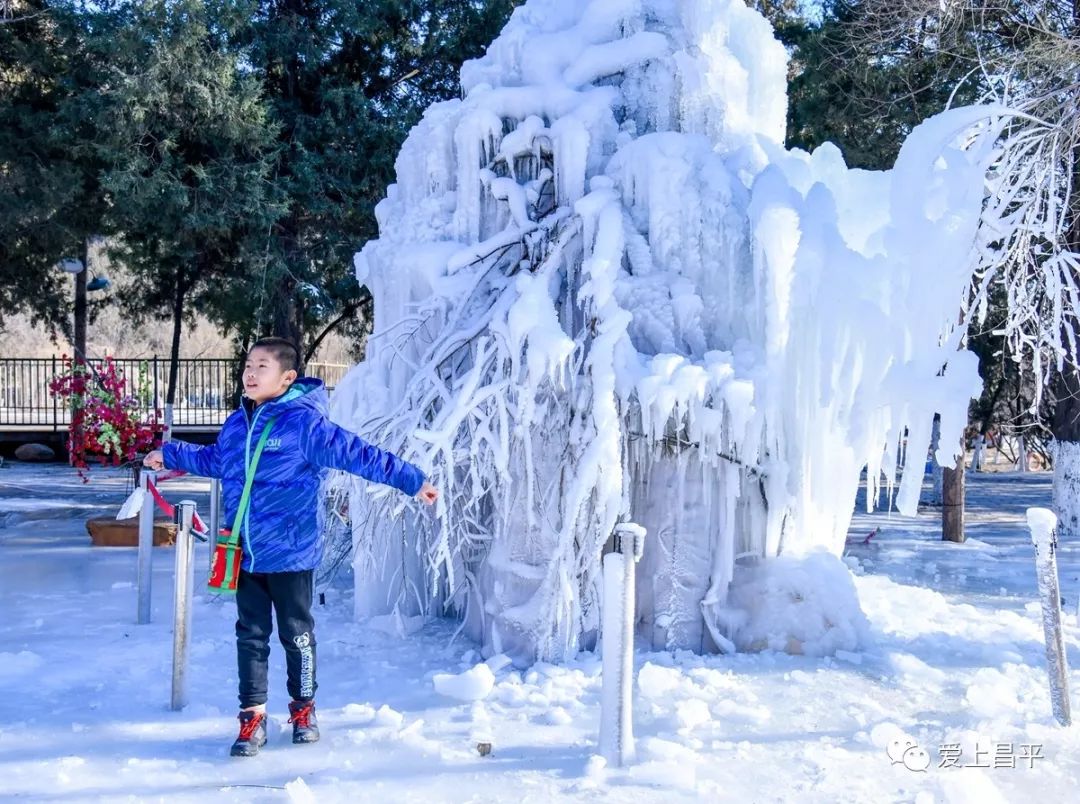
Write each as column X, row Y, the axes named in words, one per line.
column 245, row 498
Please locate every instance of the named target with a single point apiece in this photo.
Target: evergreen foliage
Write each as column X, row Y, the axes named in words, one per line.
column 232, row 150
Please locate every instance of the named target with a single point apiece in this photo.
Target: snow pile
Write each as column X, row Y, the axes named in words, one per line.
column 473, row 685
column 1042, row 522
column 298, row 792
column 802, row 605
column 605, row 291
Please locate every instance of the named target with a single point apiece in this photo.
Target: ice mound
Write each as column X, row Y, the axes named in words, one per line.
column 797, row 604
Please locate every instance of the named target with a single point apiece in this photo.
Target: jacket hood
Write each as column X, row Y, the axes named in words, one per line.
column 306, row 392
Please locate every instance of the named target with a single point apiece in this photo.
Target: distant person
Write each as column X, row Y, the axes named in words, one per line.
column 280, row 535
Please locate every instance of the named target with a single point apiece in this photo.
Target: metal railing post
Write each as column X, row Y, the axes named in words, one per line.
column 215, row 514
column 1043, row 526
column 183, row 591
column 617, row 682
column 146, row 546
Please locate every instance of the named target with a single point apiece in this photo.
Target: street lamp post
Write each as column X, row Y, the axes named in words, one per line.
column 80, row 315
column 78, row 268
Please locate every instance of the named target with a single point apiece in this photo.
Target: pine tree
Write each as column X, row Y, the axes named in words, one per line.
column 346, row 81
column 191, row 186
column 51, row 200
column 866, row 92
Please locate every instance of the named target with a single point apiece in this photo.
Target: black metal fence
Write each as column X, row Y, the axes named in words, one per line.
column 207, row 389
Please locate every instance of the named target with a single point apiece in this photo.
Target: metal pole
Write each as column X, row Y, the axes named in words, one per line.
column 146, row 545
column 1043, row 526
column 183, row 591
column 79, row 342
column 55, row 402
column 617, row 686
column 215, row 514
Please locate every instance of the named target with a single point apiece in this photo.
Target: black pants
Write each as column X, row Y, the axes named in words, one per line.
column 289, row 594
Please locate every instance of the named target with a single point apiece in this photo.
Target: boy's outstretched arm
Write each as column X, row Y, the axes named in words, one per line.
column 193, row 459
column 327, row 444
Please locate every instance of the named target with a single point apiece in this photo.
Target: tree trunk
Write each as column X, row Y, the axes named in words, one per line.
column 935, row 467
column 980, row 452
column 1065, row 425
column 364, row 303
column 1066, row 451
column 238, row 373
column 289, row 316
column 174, row 352
column 952, row 501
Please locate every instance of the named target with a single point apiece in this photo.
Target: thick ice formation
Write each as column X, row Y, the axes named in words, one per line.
column 604, row 290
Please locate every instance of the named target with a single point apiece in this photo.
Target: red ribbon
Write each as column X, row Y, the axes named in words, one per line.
column 170, row 510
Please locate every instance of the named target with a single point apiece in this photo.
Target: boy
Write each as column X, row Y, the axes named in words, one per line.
column 280, row 533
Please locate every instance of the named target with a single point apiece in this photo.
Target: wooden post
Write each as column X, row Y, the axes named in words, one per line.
column 952, row 501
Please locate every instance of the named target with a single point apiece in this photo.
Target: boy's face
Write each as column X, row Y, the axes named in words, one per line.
column 264, row 378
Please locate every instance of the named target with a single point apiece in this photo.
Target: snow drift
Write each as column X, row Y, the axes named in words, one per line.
column 605, row 291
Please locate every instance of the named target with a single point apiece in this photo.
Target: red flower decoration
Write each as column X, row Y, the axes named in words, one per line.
column 108, row 424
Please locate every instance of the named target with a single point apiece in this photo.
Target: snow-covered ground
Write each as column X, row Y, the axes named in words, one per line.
column 956, row 664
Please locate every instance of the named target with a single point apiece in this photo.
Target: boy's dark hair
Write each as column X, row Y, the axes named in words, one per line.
column 283, row 350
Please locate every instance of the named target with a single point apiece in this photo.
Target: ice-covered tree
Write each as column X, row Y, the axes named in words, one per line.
column 604, row 290
column 1025, row 55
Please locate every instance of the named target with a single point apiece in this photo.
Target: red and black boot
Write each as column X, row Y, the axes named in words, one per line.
column 305, row 726
column 252, row 734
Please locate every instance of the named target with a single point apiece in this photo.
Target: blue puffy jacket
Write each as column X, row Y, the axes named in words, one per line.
column 281, row 530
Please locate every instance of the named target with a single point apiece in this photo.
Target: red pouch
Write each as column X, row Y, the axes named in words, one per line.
column 225, row 566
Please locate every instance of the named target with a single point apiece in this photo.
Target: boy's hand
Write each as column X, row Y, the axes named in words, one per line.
column 428, row 493
column 156, row 461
